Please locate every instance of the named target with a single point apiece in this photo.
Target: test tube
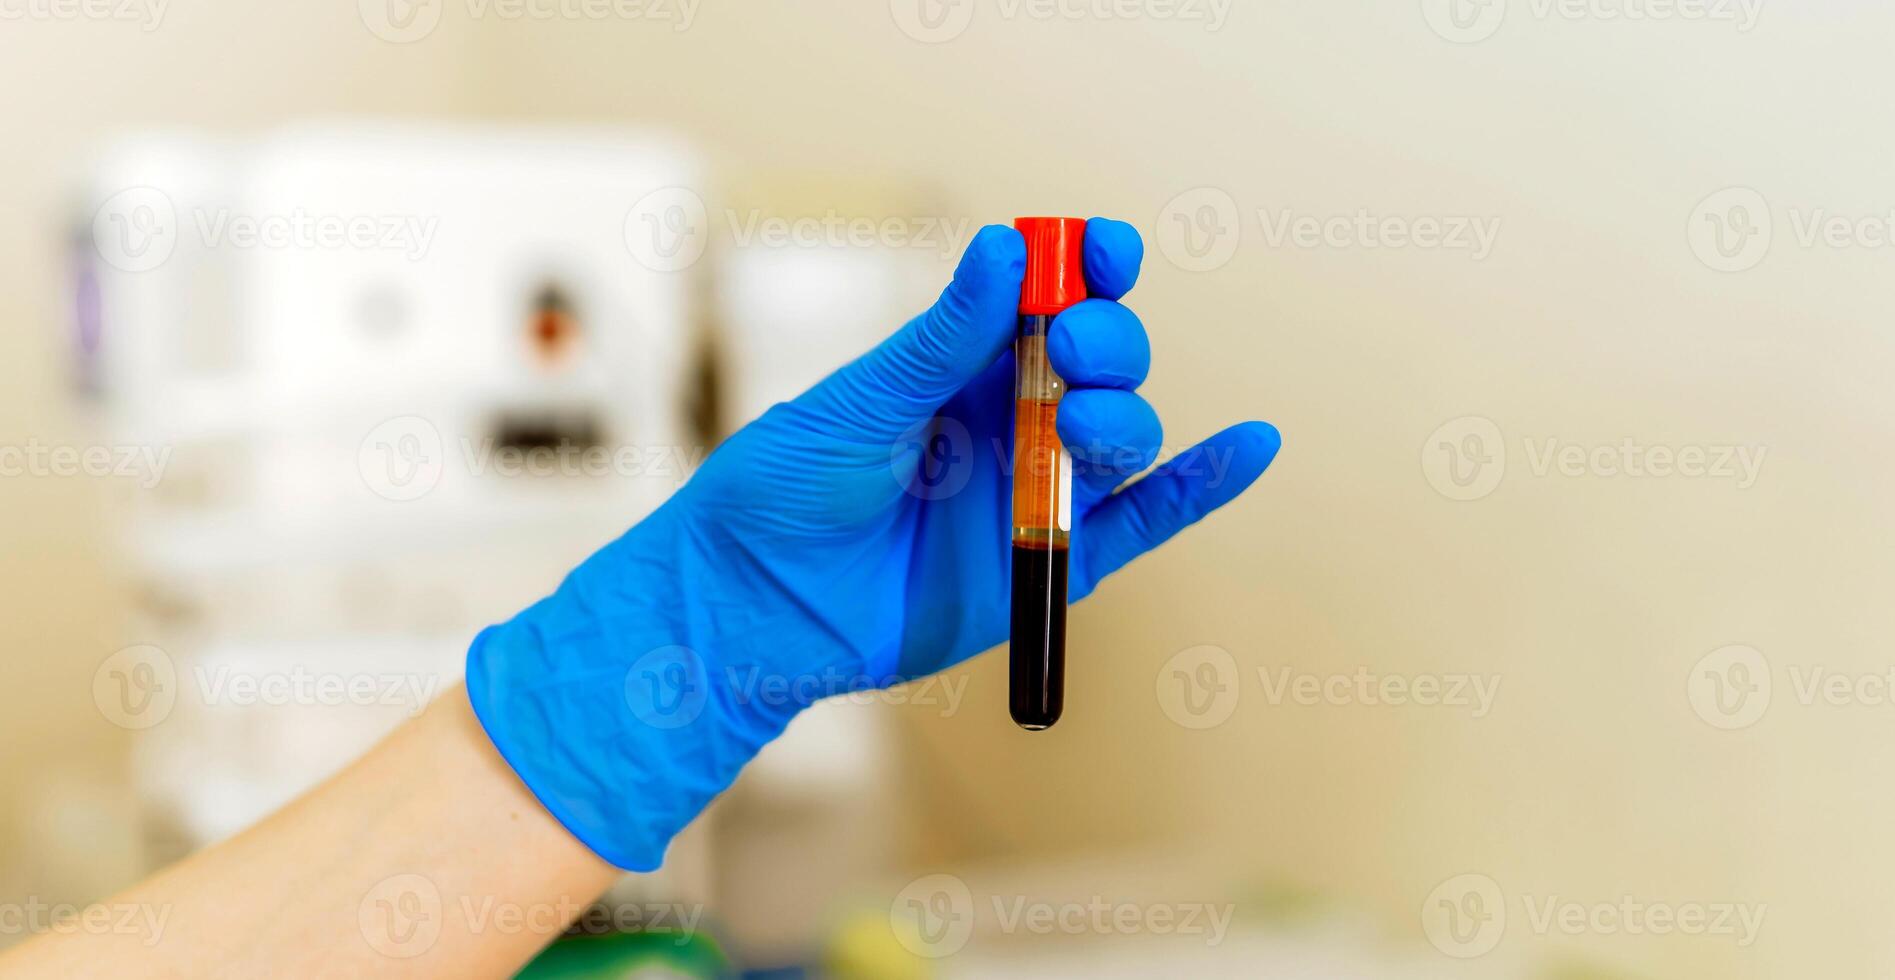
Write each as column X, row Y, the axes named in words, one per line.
column 1042, row 475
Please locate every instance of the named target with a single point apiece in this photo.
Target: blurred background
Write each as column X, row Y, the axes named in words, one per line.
column 1554, row 645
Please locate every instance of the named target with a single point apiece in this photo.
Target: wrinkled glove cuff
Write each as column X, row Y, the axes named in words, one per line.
column 624, row 733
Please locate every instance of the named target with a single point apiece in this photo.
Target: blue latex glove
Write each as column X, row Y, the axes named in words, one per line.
column 853, row 538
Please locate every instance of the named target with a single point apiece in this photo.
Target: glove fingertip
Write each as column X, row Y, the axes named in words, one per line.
column 1262, row 440
column 1114, row 252
column 995, row 259
column 985, row 292
column 1252, row 447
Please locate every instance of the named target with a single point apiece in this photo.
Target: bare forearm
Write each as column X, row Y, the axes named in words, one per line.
column 425, row 858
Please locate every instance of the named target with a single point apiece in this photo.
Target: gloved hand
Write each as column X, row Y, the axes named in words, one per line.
column 852, row 538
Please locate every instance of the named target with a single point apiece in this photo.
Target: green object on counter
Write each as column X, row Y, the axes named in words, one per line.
column 630, row 956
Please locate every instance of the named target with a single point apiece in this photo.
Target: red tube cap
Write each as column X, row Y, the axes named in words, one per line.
column 1055, row 264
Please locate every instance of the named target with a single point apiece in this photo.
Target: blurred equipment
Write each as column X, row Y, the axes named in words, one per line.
column 408, row 376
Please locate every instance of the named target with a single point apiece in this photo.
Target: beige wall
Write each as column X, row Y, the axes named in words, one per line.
column 1591, row 322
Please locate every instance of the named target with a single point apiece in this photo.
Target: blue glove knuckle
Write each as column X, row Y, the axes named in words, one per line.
column 1116, row 430
column 1100, row 342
